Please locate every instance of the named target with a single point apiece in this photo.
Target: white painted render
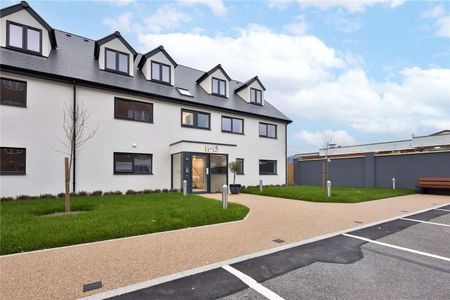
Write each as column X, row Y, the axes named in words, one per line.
column 158, row 57
column 115, row 44
column 206, row 84
column 245, row 93
column 23, row 17
column 37, row 127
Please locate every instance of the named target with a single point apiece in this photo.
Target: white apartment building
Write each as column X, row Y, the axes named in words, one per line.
column 157, row 122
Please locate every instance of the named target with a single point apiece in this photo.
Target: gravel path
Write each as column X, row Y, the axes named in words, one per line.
column 60, row 273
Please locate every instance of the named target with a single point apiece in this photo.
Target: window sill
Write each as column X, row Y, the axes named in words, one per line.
column 268, row 137
column 233, row 132
column 255, row 103
column 268, row 174
column 192, row 127
column 117, row 72
column 115, row 173
column 161, row 82
column 14, row 105
column 13, row 174
column 133, row 120
column 219, row 95
column 25, row 51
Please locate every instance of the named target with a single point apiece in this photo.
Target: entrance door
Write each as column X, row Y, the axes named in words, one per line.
column 200, row 173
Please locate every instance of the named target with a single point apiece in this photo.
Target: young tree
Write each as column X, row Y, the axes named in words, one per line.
column 76, row 135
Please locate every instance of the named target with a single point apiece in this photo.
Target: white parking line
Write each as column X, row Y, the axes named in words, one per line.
column 447, row 210
column 426, row 222
column 398, row 247
column 253, row 284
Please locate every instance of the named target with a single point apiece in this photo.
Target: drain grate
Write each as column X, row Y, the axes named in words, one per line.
column 92, row 286
column 278, row 241
column 359, row 222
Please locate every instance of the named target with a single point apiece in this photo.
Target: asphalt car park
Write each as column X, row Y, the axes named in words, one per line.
column 405, row 258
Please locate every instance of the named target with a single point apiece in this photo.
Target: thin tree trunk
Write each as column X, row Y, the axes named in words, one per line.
column 67, row 184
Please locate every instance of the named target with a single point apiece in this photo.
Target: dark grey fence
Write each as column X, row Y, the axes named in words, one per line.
column 375, row 170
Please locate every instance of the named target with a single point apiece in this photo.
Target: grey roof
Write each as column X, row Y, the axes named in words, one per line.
column 74, row 60
column 206, row 74
column 153, row 52
column 248, row 82
column 115, row 35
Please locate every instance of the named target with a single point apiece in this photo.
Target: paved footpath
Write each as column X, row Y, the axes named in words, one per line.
column 60, row 273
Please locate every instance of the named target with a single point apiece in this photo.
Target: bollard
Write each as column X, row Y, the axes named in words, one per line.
column 393, row 183
column 224, row 196
column 260, row 185
column 329, row 189
column 184, row 187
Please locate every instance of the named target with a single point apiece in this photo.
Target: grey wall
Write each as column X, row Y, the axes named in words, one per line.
column 375, row 171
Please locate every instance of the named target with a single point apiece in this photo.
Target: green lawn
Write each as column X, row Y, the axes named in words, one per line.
column 24, row 228
column 338, row 195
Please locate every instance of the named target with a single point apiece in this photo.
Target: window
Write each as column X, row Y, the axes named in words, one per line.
column 13, row 92
column 132, row 163
column 12, row 161
column 117, row 61
column 232, row 125
column 256, row 96
column 195, row 119
column 267, row 167
column 24, row 37
column 133, row 110
column 240, row 161
column 218, row 87
column 184, row 92
column 268, row 130
column 160, row 72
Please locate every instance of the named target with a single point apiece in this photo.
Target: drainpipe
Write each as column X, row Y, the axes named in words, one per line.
column 74, row 137
column 285, row 154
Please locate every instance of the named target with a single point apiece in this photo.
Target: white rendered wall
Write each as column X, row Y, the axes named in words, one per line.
column 158, row 57
column 245, row 93
column 37, row 126
column 23, row 17
column 115, row 44
column 206, row 84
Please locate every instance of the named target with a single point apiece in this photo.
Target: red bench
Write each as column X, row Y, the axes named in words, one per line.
column 433, row 183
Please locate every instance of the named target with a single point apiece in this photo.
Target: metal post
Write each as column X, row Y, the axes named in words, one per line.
column 329, row 188
column 184, row 187
column 260, row 185
column 224, row 196
column 393, row 183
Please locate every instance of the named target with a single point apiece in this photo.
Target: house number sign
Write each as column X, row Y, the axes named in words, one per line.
column 211, row 148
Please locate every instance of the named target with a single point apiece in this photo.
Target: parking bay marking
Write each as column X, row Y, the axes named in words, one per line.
column 447, row 210
column 398, row 247
column 252, row 283
column 425, row 222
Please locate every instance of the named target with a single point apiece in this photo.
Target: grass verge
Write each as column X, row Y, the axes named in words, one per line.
column 26, row 225
column 339, row 194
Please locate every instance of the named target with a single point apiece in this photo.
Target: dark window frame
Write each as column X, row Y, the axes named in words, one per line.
column 26, row 92
column 116, row 70
column 267, row 132
column 160, row 72
column 268, row 160
column 133, row 172
column 218, row 87
column 232, row 119
column 242, row 168
column 133, row 102
column 24, row 172
column 195, row 113
column 24, row 38
column 256, row 93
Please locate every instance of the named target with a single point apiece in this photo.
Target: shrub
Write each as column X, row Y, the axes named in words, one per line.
column 6, row 198
column 173, row 190
column 165, row 190
column 117, row 193
column 42, row 196
column 147, row 191
column 108, row 193
column 22, row 197
column 61, row 195
column 131, row 192
column 82, row 194
column 157, row 191
column 96, row 193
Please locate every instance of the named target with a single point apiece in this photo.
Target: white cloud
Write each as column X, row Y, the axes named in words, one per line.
column 316, row 139
column 299, row 27
column 354, row 6
column 216, row 6
column 344, row 24
column 118, row 2
column 164, row 18
column 441, row 20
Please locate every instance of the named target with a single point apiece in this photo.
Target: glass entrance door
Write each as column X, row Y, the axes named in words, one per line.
column 219, row 171
column 200, row 173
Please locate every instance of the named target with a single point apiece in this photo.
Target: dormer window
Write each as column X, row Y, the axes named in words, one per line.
column 160, row 72
column 219, row 87
column 117, row 61
column 24, row 37
column 256, row 96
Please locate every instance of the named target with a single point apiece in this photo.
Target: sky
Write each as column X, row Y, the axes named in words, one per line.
column 358, row 71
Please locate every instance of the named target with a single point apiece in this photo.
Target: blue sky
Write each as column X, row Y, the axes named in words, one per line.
column 363, row 71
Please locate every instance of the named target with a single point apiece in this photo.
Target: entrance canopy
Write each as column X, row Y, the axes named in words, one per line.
column 200, row 147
